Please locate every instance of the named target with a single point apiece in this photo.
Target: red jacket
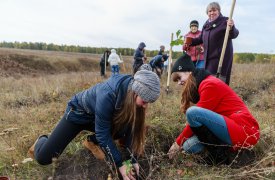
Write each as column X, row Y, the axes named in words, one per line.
column 194, row 51
column 220, row 98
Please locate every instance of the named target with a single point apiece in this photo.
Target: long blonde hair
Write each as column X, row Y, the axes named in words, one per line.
column 187, row 96
column 133, row 116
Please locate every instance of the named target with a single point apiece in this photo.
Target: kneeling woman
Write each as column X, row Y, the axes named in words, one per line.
column 113, row 109
column 220, row 121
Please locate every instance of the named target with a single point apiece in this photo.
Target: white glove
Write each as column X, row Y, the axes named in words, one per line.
column 136, row 167
column 173, row 150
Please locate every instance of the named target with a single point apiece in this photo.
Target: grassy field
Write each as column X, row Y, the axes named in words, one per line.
column 36, row 85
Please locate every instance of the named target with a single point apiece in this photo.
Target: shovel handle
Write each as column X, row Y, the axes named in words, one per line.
column 226, row 38
column 169, row 65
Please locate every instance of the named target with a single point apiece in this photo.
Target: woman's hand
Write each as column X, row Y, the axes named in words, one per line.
column 202, row 49
column 127, row 175
column 230, row 23
column 136, row 167
column 186, row 47
column 173, row 150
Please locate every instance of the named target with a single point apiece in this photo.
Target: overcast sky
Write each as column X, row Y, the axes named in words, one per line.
column 125, row 23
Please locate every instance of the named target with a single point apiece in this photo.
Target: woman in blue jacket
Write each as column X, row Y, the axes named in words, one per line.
column 114, row 109
column 139, row 57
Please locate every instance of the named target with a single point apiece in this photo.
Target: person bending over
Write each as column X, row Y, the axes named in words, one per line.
column 217, row 118
column 112, row 110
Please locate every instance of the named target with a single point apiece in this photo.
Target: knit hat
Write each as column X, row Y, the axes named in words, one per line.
column 194, row 23
column 146, row 67
column 184, row 64
column 146, row 85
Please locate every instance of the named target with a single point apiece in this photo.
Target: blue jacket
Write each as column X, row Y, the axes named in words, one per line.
column 97, row 106
column 139, row 54
column 156, row 62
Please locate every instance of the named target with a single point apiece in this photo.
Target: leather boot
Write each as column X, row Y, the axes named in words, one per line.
column 95, row 149
column 218, row 154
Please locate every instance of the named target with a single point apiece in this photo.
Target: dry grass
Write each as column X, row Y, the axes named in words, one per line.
column 32, row 105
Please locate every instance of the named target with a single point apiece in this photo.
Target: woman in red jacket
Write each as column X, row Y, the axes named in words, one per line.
column 220, row 121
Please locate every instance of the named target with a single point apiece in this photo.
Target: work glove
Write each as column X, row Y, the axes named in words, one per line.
column 173, row 150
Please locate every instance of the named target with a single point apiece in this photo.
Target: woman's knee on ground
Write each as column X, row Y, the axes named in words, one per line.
column 192, row 145
column 43, row 160
column 41, row 155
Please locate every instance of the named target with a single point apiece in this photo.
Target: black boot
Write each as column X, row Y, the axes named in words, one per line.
column 218, row 150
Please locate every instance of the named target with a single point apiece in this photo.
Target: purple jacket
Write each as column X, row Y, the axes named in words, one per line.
column 212, row 37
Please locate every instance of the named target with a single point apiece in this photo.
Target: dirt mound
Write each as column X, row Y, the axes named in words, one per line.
column 82, row 165
column 18, row 65
column 10, row 67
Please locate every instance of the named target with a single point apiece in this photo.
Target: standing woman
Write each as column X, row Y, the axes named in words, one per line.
column 212, row 37
column 196, row 52
column 114, row 61
column 104, row 58
column 219, row 117
column 114, row 109
column 139, row 57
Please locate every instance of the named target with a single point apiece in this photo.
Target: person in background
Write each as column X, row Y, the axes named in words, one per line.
column 104, row 58
column 114, row 60
column 114, row 109
column 139, row 57
column 161, row 50
column 217, row 118
column 196, row 52
column 165, row 66
column 157, row 63
column 212, row 37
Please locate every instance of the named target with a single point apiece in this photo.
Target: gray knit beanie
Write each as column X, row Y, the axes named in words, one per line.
column 146, row 67
column 146, row 85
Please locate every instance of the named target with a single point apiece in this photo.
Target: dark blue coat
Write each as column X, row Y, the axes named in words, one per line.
column 138, row 55
column 97, row 105
column 212, row 37
column 156, row 62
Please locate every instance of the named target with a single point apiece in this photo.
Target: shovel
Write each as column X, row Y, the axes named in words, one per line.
column 218, row 75
column 169, row 65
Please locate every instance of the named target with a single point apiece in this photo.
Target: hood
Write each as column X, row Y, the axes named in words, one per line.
column 141, row 45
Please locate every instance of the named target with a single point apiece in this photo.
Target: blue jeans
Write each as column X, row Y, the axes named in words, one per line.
column 115, row 69
column 196, row 117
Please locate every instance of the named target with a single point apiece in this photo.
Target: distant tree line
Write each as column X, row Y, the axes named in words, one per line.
column 73, row 48
column 253, row 57
column 238, row 57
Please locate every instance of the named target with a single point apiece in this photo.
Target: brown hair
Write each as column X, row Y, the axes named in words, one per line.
column 134, row 116
column 189, row 89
